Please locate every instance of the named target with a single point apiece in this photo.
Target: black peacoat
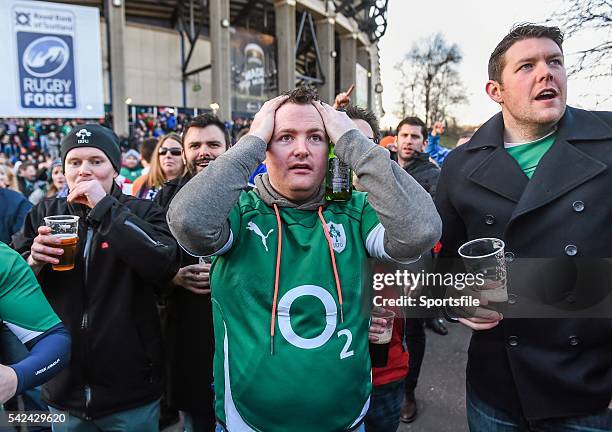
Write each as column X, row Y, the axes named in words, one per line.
column 537, row 368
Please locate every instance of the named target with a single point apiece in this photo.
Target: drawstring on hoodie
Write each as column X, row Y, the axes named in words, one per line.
column 277, row 271
column 276, row 277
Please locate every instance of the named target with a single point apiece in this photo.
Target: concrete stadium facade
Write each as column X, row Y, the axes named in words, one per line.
column 153, row 51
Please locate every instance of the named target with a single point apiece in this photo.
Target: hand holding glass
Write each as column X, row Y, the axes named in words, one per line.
column 66, row 229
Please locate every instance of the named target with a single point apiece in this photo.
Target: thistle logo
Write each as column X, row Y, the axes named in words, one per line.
column 45, row 56
column 82, row 135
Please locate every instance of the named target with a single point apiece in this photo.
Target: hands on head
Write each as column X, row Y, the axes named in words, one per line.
column 336, row 123
column 263, row 122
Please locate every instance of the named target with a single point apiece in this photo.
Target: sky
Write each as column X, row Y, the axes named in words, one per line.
column 477, row 26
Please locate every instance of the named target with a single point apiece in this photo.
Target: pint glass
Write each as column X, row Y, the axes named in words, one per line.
column 66, row 228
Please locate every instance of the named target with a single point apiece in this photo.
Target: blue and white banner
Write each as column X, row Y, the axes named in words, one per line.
column 53, row 64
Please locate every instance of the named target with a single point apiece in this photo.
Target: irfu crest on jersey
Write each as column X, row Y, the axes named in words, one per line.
column 338, row 236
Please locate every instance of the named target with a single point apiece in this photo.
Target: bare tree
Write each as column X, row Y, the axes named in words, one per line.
column 407, row 83
column 448, row 93
column 575, row 17
column 430, row 82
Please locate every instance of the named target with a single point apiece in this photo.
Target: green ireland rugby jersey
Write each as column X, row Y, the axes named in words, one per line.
column 23, row 306
column 318, row 378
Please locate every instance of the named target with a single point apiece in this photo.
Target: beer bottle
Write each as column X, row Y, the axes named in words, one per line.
column 339, row 178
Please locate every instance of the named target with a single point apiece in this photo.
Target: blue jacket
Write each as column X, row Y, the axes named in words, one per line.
column 13, row 209
column 435, row 150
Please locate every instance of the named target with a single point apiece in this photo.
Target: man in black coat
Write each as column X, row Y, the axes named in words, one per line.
column 189, row 310
column 124, row 256
column 538, row 176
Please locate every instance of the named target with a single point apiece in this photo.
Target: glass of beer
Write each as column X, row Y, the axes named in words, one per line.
column 66, row 228
column 379, row 350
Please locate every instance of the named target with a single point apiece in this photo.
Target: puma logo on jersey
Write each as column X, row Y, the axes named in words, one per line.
column 252, row 227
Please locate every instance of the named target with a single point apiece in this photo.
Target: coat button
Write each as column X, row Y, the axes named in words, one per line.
column 509, row 256
column 573, row 340
column 489, row 219
column 578, row 206
column 571, row 250
column 571, row 299
column 513, row 341
column 512, row 299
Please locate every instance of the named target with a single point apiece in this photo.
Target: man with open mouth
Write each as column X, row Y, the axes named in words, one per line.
column 187, row 310
column 536, row 175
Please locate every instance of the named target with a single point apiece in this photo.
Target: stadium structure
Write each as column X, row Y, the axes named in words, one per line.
column 230, row 56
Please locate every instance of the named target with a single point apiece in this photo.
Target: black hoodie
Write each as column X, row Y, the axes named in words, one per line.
column 424, row 171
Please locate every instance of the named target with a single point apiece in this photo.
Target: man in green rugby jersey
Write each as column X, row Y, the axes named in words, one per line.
column 291, row 334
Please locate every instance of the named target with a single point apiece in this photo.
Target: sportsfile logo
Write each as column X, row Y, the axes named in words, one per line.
column 45, row 58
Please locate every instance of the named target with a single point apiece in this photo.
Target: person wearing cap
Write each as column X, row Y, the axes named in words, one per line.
column 124, row 255
column 302, row 368
column 131, row 169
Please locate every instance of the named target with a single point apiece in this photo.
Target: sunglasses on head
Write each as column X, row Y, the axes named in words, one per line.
column 173, row 151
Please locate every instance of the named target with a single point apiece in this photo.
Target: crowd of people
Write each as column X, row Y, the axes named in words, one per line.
column 27, row 139
column 214, row 283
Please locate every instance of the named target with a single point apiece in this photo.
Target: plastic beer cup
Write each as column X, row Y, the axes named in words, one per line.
column 486, row 256
column 66, row 229
column 379, row 350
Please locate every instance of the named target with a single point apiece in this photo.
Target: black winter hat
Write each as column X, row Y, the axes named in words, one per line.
column 93, row 135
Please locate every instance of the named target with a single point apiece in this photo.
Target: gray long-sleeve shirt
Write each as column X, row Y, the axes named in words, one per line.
column 198, row 214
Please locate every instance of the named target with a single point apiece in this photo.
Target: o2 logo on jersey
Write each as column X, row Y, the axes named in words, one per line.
column 331, row 317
